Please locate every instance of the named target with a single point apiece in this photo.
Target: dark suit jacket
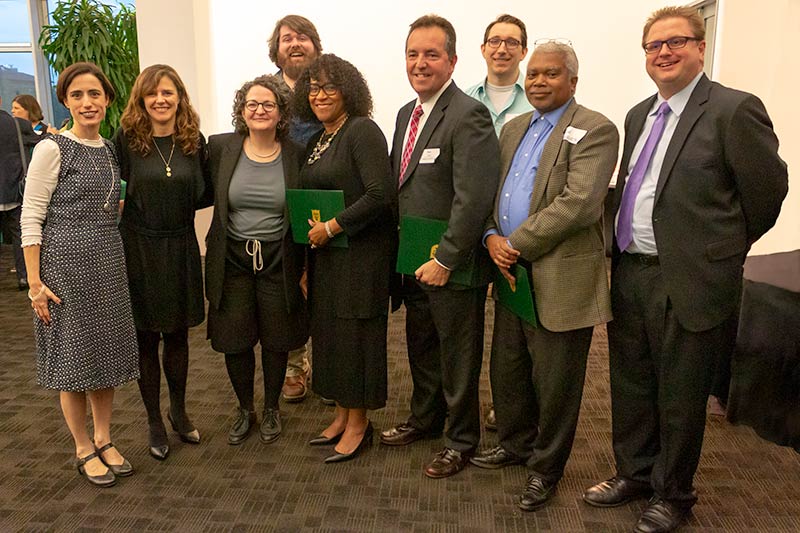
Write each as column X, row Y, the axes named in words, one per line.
column 459, row 186
column 721, row 187
column 224, row 151
column 563, row 234
column 10, row 159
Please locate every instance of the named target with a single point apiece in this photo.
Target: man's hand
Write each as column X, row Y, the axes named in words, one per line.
column 503, row 255
column 432, row 273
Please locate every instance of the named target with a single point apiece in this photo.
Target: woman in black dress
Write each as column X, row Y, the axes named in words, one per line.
column 162, row 154
column 253, row 267
column 348, row 287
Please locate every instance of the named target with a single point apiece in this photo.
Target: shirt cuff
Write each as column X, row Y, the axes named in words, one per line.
column 486, row 235
column 443, row 266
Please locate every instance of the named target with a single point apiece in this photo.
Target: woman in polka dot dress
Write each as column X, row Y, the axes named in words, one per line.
column 85, row 335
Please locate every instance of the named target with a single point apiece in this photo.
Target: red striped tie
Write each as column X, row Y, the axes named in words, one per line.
column 412, row 137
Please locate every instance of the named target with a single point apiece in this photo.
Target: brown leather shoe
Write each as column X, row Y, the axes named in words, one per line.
column 403, row 434
column 447, row 463
column 294, row 388
column 616, row 491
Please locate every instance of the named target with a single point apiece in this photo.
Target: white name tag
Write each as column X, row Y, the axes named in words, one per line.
column 573, row 135
column 429, row 155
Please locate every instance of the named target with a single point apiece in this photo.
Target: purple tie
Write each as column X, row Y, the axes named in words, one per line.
column 634, row 181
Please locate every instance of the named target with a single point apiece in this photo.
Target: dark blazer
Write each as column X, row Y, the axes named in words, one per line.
column 563, row 234
column 10, row 160
column 459, row 186
column 721, row 187
column 224, row 151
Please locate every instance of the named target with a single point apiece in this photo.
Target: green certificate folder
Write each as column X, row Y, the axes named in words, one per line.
column 314, row 204
column 520, row 299
column 419, row 239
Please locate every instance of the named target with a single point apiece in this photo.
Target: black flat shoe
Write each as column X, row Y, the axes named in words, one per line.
column 365, row 441
column 105, row 480
column 192, row 436
column 322, row 440
column 159, row 452
column 240, row 429
column 123, row 470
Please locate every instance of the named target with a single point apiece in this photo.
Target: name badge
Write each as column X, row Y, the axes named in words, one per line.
column 573, row 135
column 429, row 155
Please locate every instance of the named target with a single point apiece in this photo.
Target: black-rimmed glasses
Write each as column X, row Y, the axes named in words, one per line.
column 252, row 106
column 672, row 43
column 329, row 88
column 511, row 43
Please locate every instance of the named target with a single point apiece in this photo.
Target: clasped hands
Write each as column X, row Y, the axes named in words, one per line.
column 503, row 255
column 39, row 301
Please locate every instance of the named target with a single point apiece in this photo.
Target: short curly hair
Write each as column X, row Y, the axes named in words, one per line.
column 351, row 83
column 282, row 97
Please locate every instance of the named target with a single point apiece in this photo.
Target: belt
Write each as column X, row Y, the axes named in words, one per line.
column 646, row 260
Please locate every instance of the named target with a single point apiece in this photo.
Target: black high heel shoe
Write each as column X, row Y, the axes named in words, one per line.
column 191, row 437
column 322, row 440
column 365, row 441
column 122, row 470
column 105, row 480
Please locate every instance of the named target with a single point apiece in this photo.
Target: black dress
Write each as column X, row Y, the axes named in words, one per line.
column 157, row 227
column 349, row 287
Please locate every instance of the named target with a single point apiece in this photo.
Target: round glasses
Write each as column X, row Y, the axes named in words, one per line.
column 252, row 106
column 511, row 43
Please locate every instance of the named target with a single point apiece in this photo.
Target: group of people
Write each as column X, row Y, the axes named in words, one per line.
column 518, row 170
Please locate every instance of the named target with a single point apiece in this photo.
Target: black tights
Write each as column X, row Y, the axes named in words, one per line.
column 241, row 371
column 176, row 366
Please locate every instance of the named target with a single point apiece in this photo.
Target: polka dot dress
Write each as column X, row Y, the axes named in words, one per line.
column 91, row 341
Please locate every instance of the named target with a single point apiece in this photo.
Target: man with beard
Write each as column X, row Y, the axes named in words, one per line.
column 293, row 46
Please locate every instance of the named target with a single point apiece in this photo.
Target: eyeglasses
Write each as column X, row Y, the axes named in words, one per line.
column 557, row 40
column 511, row 43
column 329, row 88
column 252, row 106
column 672, row 43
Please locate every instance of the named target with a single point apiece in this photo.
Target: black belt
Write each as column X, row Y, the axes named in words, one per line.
column 646, row 260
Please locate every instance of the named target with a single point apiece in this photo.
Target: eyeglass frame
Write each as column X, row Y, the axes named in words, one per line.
column 666, row 41
column 330, row 89
column 557, row 40
column 268, row 106
column 511, row 43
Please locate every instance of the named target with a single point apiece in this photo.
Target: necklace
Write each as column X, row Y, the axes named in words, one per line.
column 324, row 143
column 107, row 203
column 166, row 161
column 275, row 151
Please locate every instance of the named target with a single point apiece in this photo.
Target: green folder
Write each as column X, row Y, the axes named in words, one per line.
column 518, row 300
column 314, row 204
column 419, row 239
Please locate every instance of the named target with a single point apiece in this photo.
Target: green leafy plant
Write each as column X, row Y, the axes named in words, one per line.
column 87, row 30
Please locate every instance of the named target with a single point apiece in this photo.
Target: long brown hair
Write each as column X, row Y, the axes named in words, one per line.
column 136, row 122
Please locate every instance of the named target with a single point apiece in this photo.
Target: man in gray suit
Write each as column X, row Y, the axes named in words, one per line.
column 445, row 157
column 700, row 181
column 556, row 164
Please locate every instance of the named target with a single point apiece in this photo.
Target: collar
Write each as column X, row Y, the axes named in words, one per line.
column 519, row 83
column 551, row 116
column 678, row 101
column 428, row 106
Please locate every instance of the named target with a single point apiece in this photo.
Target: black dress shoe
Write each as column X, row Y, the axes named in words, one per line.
column 616, row 491
column 191, row 436
column 322, row 440
column 105, row 480
column 159, row 452
column 537, row 493
column 490, row 422
column 660, row 516
column 497, row 457
column 121, row 470
column 403, row 434
column 271, row 426
column 447, row 463
column 241, row 427
column 366, row 440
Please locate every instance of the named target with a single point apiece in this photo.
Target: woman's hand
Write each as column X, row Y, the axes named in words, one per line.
column 322, row 232
column 40, row 295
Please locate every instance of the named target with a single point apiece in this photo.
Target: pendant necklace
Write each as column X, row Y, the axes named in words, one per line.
column 166, row 162
column 107, row 203
column 323, row 145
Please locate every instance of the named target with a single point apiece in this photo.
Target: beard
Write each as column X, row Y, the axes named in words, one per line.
column 294, row 69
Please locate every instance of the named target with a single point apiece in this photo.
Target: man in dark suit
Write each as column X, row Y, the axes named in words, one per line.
column 556, row 164
column 445, row 157
column 700, row 181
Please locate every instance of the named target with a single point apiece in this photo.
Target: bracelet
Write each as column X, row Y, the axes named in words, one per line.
column 328, row 230
column 33, row 298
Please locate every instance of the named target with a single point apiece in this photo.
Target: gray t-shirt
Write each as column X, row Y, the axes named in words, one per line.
column 256, row 200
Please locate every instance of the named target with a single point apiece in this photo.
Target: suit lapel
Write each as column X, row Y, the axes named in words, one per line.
column 231, row 152
column 399, row 132
column 552, row 147
column 691, row 114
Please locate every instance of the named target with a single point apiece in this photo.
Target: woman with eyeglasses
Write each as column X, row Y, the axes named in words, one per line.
column 253, row 267
column 85, row 334
column 348, row 288
column 162, row 158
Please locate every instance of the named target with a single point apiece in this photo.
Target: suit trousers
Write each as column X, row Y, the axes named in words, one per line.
column 661, row 375
column 444, row 334
column 537, row 381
